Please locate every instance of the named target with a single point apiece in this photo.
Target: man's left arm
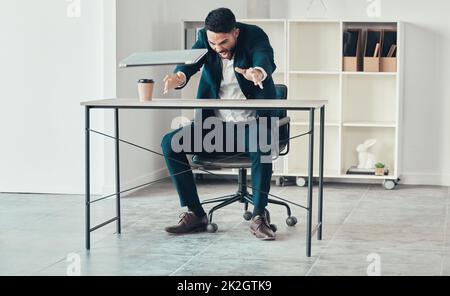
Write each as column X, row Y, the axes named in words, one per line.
column 262, row 54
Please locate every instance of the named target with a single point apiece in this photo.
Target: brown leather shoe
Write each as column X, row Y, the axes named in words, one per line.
column 189, row 222
column 261, row 229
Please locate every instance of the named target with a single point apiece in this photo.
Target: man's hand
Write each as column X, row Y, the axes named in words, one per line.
column 252, row 74
column 173, row 81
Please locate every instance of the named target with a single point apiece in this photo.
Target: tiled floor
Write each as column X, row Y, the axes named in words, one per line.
column 407, row 229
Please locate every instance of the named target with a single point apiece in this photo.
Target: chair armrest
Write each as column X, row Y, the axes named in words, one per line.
column 284, row 121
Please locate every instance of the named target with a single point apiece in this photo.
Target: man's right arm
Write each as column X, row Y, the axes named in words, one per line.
column 189, row 70
column 174, row 81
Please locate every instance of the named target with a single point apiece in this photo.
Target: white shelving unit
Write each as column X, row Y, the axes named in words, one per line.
column 362, row 105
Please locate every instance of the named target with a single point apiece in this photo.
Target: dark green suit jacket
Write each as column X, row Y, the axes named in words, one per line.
column 253, row 49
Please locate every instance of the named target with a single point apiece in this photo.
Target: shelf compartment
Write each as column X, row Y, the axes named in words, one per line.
column 369, row 99
column 307, row 87
column 384, row 148
column 314, row 46
column 299, row 147
column 279, row 78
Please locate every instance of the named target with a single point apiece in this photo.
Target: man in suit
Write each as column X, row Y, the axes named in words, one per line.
column 239, row 65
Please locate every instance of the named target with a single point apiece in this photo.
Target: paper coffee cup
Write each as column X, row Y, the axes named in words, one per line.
column 145, row 89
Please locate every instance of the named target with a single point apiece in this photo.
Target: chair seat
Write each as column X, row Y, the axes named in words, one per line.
column 222, row 161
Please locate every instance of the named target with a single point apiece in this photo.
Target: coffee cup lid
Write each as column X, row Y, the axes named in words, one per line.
column 146, row 81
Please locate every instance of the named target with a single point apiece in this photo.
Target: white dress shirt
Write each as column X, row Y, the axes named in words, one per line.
column 230, row 89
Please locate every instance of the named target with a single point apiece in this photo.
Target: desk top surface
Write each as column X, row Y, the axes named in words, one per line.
column 207, row 103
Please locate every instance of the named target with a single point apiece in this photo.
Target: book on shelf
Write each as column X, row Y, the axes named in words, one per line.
column 377, row 51
column 357, row 171
column 392, row 51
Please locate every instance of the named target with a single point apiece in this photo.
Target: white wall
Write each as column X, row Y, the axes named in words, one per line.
column 49, row 64
column 426, row 140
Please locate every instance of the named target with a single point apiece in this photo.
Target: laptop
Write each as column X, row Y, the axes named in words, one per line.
column 167, row 57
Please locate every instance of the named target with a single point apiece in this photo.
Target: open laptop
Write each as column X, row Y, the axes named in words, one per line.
column 167, row 57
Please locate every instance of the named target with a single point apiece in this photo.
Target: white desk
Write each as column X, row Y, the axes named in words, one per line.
column 309, row 106
column 206, row 104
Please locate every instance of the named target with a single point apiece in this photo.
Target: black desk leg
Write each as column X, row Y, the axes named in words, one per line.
column 88, row 181
column 321, row 153
column 119, row 228
column 310, row 182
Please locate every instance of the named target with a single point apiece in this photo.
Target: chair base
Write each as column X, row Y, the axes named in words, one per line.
column 243, row 196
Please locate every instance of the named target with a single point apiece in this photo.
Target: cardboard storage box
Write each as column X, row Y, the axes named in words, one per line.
column 388, row 65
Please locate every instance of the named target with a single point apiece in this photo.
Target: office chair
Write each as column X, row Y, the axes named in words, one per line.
column 242, row 163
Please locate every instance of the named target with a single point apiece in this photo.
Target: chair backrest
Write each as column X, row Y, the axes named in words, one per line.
column 282, row 91
column 281, row 94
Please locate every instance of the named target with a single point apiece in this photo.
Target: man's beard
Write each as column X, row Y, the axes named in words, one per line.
column 230, row 52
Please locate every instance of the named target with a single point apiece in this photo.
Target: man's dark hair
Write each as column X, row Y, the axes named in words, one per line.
column 220, row 20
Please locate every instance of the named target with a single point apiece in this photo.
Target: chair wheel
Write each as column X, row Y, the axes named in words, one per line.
column 389, row 184
column 212, row 228
column 248, row 216
column 273, row 227
column 291, row 221
column 301, row 182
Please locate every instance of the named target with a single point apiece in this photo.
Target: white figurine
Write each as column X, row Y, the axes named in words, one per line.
column 366, row 159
